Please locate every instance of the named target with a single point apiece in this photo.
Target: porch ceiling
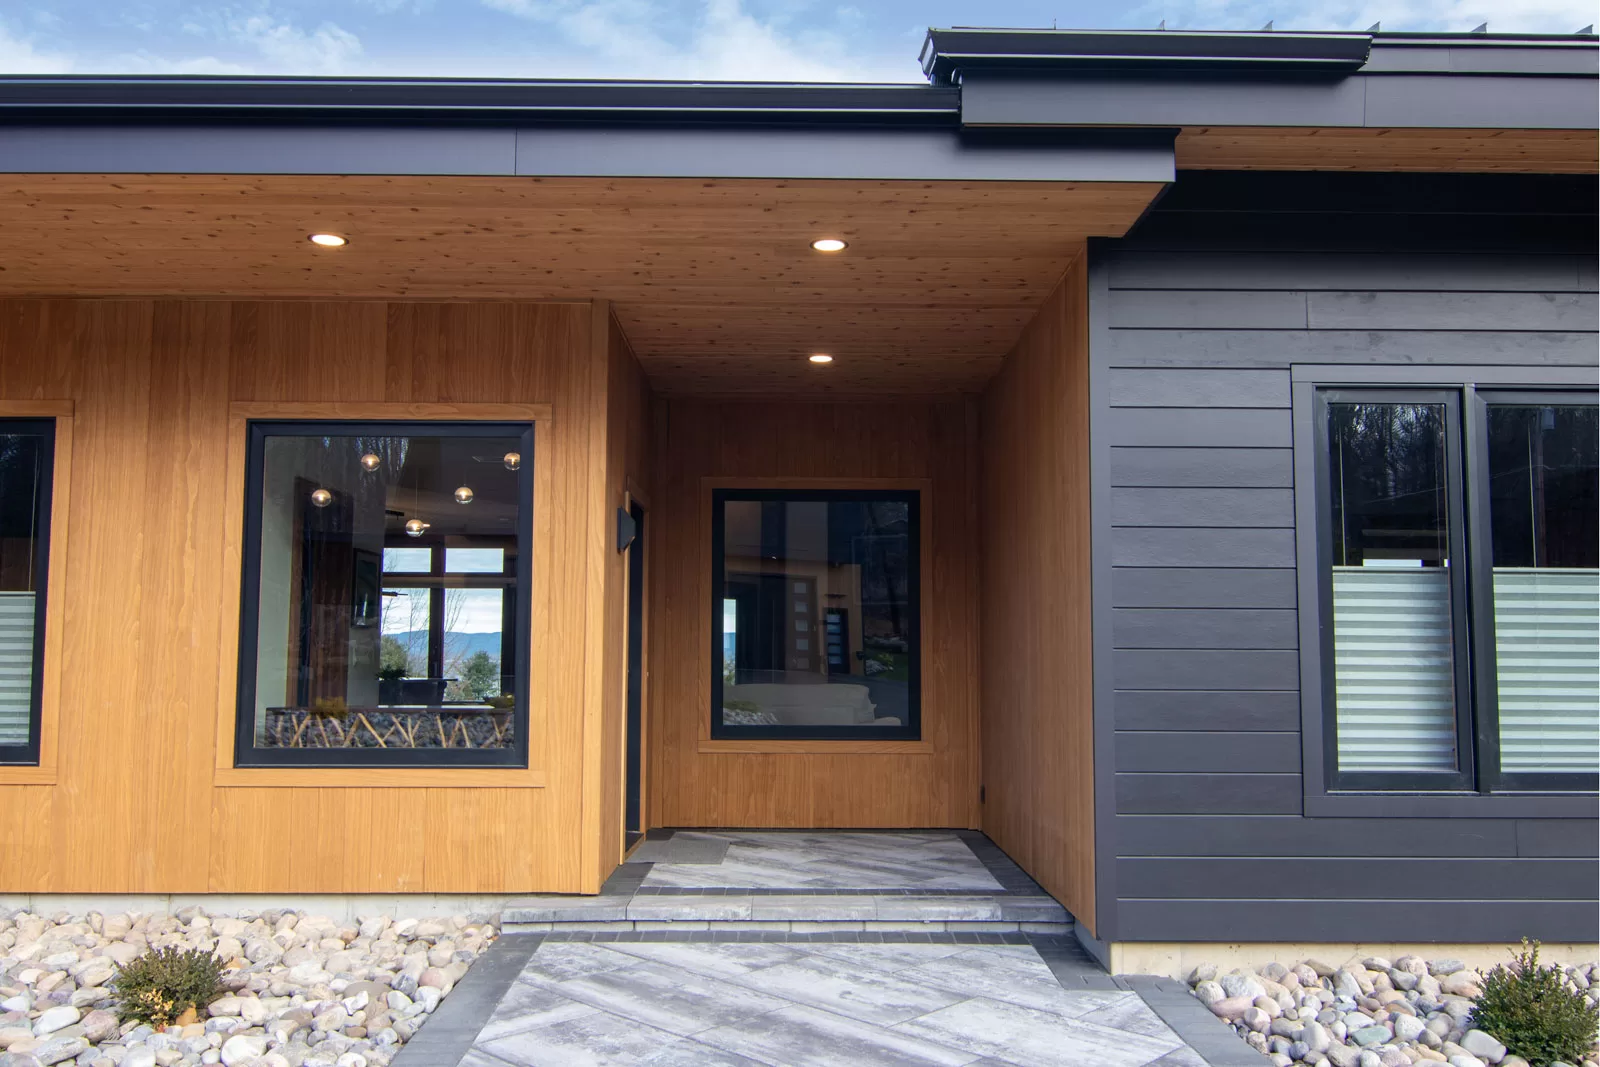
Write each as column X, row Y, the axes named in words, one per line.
column 713, row 281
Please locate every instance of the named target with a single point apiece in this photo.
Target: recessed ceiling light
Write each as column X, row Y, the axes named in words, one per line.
column 820, row 357
column 829, row 244
column 327, row 240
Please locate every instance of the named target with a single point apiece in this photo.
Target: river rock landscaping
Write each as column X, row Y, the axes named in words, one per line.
column 301, row 990
column 1371, row 1013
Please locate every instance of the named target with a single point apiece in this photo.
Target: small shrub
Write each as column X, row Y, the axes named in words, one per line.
column 159, row 986
column 1533, row 1013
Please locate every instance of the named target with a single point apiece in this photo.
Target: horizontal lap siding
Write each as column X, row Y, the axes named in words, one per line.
column 1208, row 840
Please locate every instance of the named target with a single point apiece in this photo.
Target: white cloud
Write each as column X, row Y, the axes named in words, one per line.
column 720, row 42
column 256, row 42
column 19, row 55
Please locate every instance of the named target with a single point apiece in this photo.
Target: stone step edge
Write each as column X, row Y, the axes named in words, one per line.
column 789, row 926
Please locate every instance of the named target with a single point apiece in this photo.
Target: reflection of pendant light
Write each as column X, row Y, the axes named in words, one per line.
column 321, row 497
column 371, row 462
column 512, row 460
column 464, row 495
column 416, row 527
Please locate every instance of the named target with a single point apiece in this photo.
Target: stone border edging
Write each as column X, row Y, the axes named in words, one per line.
column 448, row 1034
column 1212, row 1039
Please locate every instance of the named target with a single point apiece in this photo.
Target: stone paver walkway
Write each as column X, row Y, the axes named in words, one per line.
column 813, row 1003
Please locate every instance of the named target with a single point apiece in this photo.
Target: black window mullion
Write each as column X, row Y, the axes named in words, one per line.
column 1461, row 628
column 27, row 754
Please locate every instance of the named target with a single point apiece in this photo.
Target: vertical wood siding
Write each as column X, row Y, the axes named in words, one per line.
column 135, row 808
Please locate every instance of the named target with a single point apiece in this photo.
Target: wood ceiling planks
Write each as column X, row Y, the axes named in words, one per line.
column 713, row 281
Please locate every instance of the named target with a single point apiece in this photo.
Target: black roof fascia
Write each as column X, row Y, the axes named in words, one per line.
column 368, row 101
column 946, row 53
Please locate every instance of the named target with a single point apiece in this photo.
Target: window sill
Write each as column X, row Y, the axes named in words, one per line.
column 19, row 774
column 818, row 748
column 381, row 777
column 1453, row 805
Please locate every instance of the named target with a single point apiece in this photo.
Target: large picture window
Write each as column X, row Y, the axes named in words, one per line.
column 385, row 608
column 816, row 612
column 27, row 465
column 1460, row 589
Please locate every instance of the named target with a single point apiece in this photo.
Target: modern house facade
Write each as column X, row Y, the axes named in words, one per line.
column 1173, row 454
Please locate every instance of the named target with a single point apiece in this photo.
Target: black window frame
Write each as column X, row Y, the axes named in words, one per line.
column 27, row 755
column 245, row 753
column 1466, row 406
column 911, row 730
column 1481, row 565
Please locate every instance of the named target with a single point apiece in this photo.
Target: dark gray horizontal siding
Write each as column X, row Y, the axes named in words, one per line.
column 1208, row 794
column 1141, row 388
column 1388, row 870
column 1173, row 309
column 1425, row 913
column 1144, row 506
column 1199, row 629
column 1211, row 587
column 1201, row 427
column 1280, row 835
column 1237, row 628
column 1203, row 547
column 1216, row 468
column 1557, row 837
column 1220, row 669
column 1352, row 271
column 1211, row 753
column 1209, row 709
column 1157, row 349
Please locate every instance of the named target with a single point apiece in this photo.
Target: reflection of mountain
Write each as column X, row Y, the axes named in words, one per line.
column 455, row 644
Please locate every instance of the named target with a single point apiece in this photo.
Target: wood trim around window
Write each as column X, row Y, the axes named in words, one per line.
column 44, row 772
column 704, row 742
column 239, row 417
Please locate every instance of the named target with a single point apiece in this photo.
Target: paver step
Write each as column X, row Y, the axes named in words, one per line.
column 796, row 913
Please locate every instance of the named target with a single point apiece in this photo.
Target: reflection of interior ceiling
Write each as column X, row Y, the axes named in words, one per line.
column 714, row 282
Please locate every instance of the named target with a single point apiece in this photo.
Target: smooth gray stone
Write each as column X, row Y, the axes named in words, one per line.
column 669, row 999
column 833, row 985
column 806, row 1037
column 1036, row 1039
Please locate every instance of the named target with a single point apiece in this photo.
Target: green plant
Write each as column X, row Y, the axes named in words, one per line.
column 159, row 986
column 393, row 660
column 1533, row 1013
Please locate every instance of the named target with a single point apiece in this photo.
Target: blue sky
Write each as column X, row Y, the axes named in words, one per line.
column 822, row 40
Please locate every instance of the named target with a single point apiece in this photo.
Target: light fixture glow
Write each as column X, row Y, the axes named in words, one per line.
column 321, row 498
column 464, row 495
column 512, row 460
column 820, row 357
column 327, row 240
column 829, row 244
column 371, row 462
column 416, row 527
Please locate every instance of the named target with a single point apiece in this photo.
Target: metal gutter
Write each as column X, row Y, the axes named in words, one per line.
column 949, row 54
column 946, row 53
column 230, row 100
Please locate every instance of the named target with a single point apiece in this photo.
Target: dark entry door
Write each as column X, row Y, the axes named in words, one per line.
column 634, row 817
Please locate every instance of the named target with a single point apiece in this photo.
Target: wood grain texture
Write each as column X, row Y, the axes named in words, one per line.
column 713, row 281
column 1038, row 698
column 1293, row 148
column 762, row 444
column 149, row 594
column 626, row 456
column 60, row 412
